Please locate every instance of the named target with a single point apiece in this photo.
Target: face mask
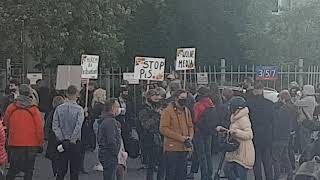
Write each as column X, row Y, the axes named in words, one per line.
column 155, row 103
column 182, row 102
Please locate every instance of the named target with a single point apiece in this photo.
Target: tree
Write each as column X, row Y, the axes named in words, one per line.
column 59, row 31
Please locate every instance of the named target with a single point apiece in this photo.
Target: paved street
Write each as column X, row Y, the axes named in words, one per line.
column 43, row 170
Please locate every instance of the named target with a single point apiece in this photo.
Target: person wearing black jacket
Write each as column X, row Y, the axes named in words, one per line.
column 206, row 120
column 149, row 118
column 109, row 139
column 285, row 123
column 52, row 152
column 261, row 116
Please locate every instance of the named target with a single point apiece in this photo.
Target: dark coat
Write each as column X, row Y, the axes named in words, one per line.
column 149, row 121
column 224, row 114
column 51, row 152
column 109, row 138
column 285, row 122
column 45, row 99
column 208, row 122
column 97, row 111
column 261, row 116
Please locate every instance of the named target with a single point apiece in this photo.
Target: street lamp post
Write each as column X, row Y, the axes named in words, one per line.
column 23, row 52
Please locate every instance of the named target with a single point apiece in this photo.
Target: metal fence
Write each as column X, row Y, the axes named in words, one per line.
column 221, row 74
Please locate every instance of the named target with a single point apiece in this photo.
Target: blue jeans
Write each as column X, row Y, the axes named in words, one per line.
column 110, row 168
column 235, row 171
column 203, row 150
column 95, row 129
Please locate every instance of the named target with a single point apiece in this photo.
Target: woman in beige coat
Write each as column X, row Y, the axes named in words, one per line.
column 240, row 161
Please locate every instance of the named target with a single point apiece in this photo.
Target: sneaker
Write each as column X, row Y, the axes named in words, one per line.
column 98, row 167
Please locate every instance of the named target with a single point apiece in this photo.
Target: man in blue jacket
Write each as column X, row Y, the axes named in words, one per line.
column 109, row 139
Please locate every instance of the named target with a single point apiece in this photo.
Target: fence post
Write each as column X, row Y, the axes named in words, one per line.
column 108, row 86
column 223, row 71
column 300, row 69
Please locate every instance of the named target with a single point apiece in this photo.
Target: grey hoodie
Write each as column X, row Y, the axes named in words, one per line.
column 307, row 103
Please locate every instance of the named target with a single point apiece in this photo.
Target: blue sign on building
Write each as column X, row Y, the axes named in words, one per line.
column 267, row 73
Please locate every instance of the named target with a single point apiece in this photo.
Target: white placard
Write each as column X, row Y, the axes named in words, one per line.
column 147, row 68
column 34, row 77
column 186, row 59
column 68, row 75
column 130, row 78
column 202, row 78
column 90, row 66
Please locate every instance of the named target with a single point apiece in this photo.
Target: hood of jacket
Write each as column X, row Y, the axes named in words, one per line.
column 24, row 101
column 308, row 90
column 200, row 107
column 240, row 114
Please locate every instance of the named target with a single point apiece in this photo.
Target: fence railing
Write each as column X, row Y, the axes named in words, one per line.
column 222, row 74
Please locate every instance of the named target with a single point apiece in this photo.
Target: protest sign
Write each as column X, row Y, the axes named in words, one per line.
column 34, row 77
column 90, row 66
column 186, row 59
column 202, row 78
column 147, row 68
column 68, row 75
column 130, row 78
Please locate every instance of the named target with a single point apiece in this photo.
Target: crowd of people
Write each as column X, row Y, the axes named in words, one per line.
column 174, row 128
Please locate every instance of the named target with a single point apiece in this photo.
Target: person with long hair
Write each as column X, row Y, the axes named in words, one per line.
column 98, row 103
column 51, row 152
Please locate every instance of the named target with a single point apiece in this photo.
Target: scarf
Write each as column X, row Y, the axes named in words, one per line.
column 200, row 107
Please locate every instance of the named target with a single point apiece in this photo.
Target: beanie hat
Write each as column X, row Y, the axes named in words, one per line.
column 24, row 90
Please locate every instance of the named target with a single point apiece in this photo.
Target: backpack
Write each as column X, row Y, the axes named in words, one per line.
column 27, row 110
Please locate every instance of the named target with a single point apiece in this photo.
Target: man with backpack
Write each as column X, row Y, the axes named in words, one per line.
column 205, row 121
column 25, row 127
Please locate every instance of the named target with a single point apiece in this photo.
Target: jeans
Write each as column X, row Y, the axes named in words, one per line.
column 95, row 129
column 203, row 146
column 162, row 167
column 194, row 160
column 22, row 159
column 263, row 157
column 153, row 157
column 280, row 156
column 235, row 171
column 176, row 165
column 70, row 157
column 110, row 165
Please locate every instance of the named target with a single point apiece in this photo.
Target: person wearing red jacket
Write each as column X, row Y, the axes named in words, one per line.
column 3, row 153
column 26, row 135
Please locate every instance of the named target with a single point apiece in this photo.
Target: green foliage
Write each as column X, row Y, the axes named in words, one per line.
column 59, row 31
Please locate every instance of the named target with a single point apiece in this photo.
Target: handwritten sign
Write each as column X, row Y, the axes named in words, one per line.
column 186, row 59
column 90, row 66
column 147, row 68
column 264, row 73
column 130, row 78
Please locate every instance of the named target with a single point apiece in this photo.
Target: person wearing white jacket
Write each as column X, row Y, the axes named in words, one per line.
column 240, row 161
column 306, row 106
